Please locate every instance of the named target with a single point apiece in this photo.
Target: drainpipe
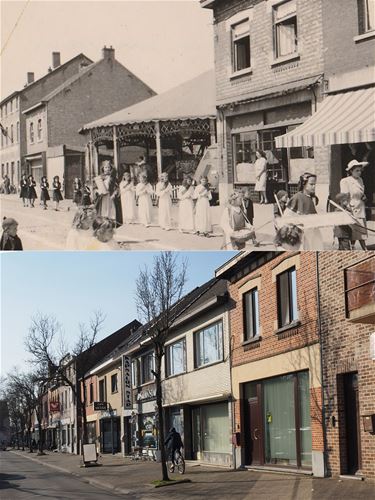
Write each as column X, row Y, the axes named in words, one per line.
column 321, row 365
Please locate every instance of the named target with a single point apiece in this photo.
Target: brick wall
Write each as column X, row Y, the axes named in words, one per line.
column 310, row 47
column 345, row 349
column 107, row 88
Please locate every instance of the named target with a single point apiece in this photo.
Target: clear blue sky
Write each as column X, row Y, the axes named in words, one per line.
column 71, row 285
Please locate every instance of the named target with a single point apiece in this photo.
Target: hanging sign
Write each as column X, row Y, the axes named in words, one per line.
column 127, row 386
column 100, row 406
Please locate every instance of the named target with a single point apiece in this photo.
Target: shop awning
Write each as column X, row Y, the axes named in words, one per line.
column 343, row 118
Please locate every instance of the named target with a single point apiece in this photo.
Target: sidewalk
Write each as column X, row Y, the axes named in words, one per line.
column 128, row 477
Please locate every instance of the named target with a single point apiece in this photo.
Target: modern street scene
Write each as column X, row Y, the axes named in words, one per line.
column 266, row 141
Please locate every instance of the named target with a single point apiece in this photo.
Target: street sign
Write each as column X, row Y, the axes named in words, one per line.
column 100, row 406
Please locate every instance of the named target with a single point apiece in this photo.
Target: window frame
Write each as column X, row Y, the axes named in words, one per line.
column 196, row 345
column 234, row 47
column 255, row 320
column 276, row 23
column 148, row 355
column 31, row 132
column 102, row 394
column 363, row 17
column 168, row 372
column 91, row 392
column 114, row 387
column 290, row 304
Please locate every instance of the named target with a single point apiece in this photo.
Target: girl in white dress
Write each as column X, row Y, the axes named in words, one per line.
column 144, row 192
column 202, row 210
column 186, row 206
column 164, row 192
column 127, row 192
column 261, row 175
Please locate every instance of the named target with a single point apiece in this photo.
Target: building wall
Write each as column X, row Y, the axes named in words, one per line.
column 343, row 51
column 38, row 145
column 199, row 383
column 290, row 350
column 107, row 88
column 113, row 398
column 345, row 348
column 264, row 73
column 10, row 151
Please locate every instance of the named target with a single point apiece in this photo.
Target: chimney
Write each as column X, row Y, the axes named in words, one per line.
column 30, row 77
column 108, row 53
column 55, row 60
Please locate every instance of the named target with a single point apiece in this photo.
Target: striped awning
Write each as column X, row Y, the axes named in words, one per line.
column 344, row 118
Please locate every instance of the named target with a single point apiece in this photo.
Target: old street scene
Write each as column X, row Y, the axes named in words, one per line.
column 256, row 133
column 261, row 362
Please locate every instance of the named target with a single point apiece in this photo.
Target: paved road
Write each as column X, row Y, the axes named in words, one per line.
column 21, row 478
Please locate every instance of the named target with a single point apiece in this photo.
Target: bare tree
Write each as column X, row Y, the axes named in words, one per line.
column 46, row 343
column 158, row 290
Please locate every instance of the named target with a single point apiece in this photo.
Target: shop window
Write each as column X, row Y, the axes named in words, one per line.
column 275, row 169
column 114, row 383
column 241, row 46
column 208, row 345
column 285, row 28
column 148, row 431
column 91, row 392
column 245, row 145
column 287, row 297
column 175, row 358
column 302, row 152
column 147, row 366
column 39, row 131
column 102, row 390
column 366, row 16
column 91, row 432
column 251, row 314
column 31, row 132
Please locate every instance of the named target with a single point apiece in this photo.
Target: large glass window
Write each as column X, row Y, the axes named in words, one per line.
column 102, row 390
column 366, row 15
column 275, row 168
column 279, row 421
column 114, row 383
column 305, row 419
column 91, row 392
column 147, row 365
column 287, row 297
column 215, row 425
column 175, row 358
column 241, row 46
column 285, row 28
column 208, row 345
column 251, row 314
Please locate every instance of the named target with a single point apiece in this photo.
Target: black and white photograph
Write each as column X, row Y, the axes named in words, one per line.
column 187, row 249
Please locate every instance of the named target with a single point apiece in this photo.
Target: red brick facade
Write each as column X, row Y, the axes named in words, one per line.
column 345, row 350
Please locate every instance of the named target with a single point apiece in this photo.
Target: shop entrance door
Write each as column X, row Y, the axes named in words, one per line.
column 254, row 428
column 196, row 425
column 351, row 402
column 110, row 435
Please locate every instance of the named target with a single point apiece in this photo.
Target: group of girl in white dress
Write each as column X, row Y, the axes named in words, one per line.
column 193, row 210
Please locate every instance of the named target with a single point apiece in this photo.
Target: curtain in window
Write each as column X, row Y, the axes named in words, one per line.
column 286, row 37
column 279, row 421
column 215, row 421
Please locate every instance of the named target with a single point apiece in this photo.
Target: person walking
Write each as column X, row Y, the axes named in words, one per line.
column 202, row 194
column 164, row 193
column 24, row 190
column 57, row 196
column 143, row 192
column 44, row 194
column 173, row 443
column 354, row 187
column 186, row 206
column 31, row 193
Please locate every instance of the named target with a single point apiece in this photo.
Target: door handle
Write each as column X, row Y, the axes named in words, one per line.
column 255, row 437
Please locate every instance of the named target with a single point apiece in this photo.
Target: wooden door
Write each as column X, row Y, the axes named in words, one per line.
column 254, row 442
column 352, row 423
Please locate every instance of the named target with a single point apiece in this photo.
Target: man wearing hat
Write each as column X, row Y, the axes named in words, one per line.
column 9, row 239
column 353, row 186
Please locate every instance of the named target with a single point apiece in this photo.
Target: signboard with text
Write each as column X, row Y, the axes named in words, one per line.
column 54, row 406
column 127, row 385
column 100, row 406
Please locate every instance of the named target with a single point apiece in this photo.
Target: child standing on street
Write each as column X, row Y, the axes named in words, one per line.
column 31, row 193
column 127, row 193
column 203, row 196
column 24, row 189
column 44, row 194
column 163, row 191
column 186, row 206
column 144, row 192
column 57, row 196
column 9, row 239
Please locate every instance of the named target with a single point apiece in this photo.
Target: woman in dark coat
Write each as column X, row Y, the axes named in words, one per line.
column 57, row 196
column 31, row 193
column 44, row 194
column 24, row 192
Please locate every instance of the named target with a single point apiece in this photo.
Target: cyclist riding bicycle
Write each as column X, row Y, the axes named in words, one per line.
column 173, row 443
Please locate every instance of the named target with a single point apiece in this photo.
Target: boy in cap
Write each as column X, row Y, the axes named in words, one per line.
column 9, row 239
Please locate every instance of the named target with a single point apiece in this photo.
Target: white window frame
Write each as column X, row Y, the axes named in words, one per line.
column 148, row 355
column 292, row 298
column 277, row 22
column 255, row 318
column 234, row 41
column 31, row 132
column 197, row 353
column 168, row 359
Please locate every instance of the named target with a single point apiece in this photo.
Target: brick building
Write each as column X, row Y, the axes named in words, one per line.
column 276, row 381
column 277, row 62
column 54, row 145
column 347, row 311
column 13, row 119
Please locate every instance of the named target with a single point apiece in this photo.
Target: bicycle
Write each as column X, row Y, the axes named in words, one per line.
column 179, row 462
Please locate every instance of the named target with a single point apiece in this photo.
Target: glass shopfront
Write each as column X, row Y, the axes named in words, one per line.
column 277, row 421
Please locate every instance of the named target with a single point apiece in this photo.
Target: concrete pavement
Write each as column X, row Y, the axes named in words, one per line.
column 133, row 479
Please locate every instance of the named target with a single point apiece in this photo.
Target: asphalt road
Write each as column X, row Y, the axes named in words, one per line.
column 21, row 478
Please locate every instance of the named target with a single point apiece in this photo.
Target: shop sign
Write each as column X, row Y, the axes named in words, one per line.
column 127, row 371
column 147, row 395
column 100, row 405
column 54, row 406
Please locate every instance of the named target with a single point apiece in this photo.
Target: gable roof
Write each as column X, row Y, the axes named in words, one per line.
column 195, row 98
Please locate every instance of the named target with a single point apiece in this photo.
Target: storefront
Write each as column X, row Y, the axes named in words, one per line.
column 110, row 434
column 277, row 422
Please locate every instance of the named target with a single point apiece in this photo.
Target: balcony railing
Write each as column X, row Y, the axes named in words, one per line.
column 360, row 292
